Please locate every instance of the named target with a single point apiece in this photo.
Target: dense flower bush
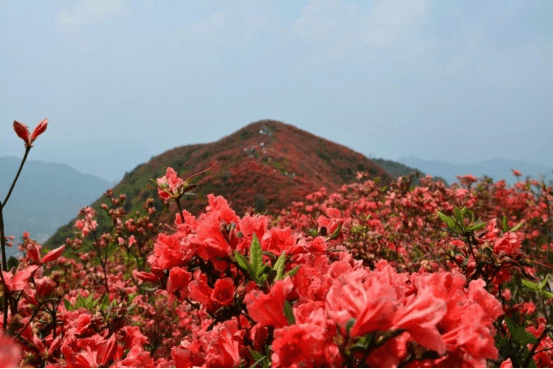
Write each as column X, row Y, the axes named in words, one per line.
column 403, row 275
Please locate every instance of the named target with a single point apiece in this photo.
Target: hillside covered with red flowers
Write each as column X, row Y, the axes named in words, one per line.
column 264, row 166
column 396, row 275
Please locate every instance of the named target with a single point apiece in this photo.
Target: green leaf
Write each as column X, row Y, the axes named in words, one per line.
column 364, row 342
column 547, row 294
column 470, row 214
column 313, row 232
column 279, row 266
column 447, row 220
column 531, row 285
column 476, row 227
column 505, row 225
column 458, row 214
column 105, row 302
column 289, row 313
column 542, row 283
column 443, row 217
column 269, row 254
column 349, row 325
column 243, row 263
column 293, row 271
column 256, row 256
column 524, row 337
column 520, row 334
column 517, row 227
column 510, row 325
column 131, row 297
column 336, row 233
column 67, row 305
column 258, row 357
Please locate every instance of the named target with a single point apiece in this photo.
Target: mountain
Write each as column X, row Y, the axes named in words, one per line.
column 494, row 168
column 46, row 196
column 400, row 170
column 265, row 166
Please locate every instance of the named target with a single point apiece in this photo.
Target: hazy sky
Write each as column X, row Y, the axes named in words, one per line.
column 124, row 80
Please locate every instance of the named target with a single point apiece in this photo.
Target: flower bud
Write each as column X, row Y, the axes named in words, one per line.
column 44, row 287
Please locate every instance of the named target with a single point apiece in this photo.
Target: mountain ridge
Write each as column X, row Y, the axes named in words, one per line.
column 264, row 166
column 495, row 168
column 45, row 196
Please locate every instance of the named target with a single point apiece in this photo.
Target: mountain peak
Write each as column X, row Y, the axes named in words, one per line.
column 264, row 166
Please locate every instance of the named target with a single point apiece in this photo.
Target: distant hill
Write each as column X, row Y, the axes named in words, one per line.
column 400, row 170
column 265, row 166
column 495, row 168
column 46, row 196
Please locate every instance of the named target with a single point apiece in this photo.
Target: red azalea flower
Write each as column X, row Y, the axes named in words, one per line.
column 223, row 292
column 178, row 281
column 268, row 309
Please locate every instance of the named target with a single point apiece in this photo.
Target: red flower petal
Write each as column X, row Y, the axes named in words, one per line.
column 53, row 255
column 22, row 131
column 39, row 129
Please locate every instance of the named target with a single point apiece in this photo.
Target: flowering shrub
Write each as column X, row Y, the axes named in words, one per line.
column 402, row 275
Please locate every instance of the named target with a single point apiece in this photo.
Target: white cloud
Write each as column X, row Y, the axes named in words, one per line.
column 89, row 12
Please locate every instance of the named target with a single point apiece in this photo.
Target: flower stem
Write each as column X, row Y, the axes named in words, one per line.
column 3, row 239
column 17, row 176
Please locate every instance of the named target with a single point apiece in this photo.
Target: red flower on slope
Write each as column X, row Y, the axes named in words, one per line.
column 169, row 185
column 96, row 352
column 268, row 309
column 467, row 326
column 223, row 291
column 377, row 303
column 19, row 281
column 218, row 348
column 289, row 345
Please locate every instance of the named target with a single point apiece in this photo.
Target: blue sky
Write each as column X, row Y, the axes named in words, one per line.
column 122, row 81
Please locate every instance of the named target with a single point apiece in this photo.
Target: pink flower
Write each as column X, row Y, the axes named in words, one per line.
column 169, row 185
column 23, row 131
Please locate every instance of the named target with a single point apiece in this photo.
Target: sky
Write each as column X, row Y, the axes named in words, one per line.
column 121, row 81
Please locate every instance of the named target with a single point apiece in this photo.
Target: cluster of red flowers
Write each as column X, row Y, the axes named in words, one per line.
column 404, row 275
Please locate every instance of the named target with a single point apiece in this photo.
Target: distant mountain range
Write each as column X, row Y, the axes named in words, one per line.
column 46, row 196
column 264, row 166
column 494, row 168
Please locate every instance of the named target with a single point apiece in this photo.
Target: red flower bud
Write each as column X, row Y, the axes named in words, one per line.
column 39, row 129
column 23, row 131
column 44, row 287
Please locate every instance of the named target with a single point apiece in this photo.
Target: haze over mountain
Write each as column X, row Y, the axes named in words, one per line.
column 46, row 196
column 122, row 81
column 494, row 168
